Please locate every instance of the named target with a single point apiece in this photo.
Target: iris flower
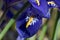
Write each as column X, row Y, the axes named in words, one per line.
column 27, row 28
column 24, row 28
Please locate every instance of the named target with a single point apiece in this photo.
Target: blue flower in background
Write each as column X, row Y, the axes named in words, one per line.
column 16, row 7
column 43, row 7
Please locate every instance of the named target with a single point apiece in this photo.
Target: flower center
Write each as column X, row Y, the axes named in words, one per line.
column 29, row 21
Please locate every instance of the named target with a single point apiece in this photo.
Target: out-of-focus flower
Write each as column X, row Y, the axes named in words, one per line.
column 43, row 7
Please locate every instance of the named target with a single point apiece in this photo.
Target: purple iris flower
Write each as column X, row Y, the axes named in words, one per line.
column 30, row 31
column 33, row 27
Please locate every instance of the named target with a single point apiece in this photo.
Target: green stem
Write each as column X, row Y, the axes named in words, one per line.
column 6, row 28
column 55, row 35
column 52, row 23
column 43, row 32
column 57, row 27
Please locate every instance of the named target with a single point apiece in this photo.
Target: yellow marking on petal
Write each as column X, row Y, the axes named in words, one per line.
column 37, row 1
column 51, row 2
column 29, row 21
